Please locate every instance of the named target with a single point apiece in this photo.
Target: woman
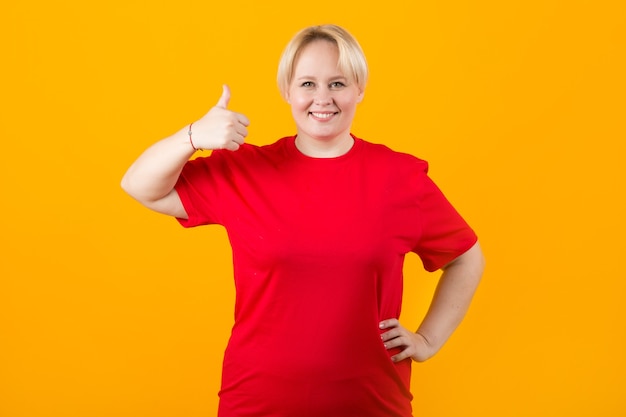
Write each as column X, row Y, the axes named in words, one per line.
column 319, row 224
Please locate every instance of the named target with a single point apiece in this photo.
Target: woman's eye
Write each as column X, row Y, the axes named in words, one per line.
column 307, row 84
column 337, row 84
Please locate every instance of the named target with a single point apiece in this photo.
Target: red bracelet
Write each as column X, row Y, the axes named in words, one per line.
column 190, row 140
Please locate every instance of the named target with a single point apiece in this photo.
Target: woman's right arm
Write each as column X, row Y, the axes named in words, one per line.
column 152, row 177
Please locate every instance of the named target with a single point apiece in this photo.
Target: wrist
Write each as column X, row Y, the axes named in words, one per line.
column 190, row 135
column 427, row 350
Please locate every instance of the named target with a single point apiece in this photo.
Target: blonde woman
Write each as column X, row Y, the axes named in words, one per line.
column 319, row 223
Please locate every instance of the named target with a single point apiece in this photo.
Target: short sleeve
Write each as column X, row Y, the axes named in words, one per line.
column 198, row 187
column 445, row 235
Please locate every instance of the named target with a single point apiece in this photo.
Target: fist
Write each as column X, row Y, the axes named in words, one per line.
column 221, row 128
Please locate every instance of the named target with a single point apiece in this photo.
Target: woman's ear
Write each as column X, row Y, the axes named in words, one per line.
column 360, row 97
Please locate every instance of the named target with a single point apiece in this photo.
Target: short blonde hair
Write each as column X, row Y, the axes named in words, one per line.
column 352, row 61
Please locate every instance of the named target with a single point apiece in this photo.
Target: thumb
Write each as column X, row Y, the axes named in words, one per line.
column 225, row 98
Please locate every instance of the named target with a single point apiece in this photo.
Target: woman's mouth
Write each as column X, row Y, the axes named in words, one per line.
column 322, row 115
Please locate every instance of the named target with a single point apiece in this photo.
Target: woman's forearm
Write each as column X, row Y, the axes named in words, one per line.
column 452, row 298
column 154, row 174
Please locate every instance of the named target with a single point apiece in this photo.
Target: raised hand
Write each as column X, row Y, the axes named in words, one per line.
column 220, row 128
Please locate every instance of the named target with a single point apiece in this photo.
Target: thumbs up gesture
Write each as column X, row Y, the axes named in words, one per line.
column 221, row 128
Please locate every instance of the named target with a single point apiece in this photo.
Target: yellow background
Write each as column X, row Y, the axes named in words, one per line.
column 107, row 309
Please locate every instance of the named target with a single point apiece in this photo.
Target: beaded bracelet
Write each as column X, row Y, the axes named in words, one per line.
column 190, row 140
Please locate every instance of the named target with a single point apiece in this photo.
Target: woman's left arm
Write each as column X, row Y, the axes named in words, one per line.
column 451, row 300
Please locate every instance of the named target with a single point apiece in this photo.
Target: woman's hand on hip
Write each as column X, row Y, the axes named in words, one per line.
column 412, row 345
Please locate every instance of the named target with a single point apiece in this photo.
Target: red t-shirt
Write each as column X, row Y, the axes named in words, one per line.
column 318, row 249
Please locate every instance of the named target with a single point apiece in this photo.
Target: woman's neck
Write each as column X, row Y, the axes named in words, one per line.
column 324, row 148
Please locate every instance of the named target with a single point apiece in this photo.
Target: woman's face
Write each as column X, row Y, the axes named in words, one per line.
column 323, row 100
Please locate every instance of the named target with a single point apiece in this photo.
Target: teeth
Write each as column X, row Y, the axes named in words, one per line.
column 322, row 115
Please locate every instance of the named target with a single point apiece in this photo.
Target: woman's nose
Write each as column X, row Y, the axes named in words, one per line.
column 323, row 97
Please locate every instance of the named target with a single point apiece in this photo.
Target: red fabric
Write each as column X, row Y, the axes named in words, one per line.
column 318, row 250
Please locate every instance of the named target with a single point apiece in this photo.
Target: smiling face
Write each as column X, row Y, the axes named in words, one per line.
column 323, row 100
